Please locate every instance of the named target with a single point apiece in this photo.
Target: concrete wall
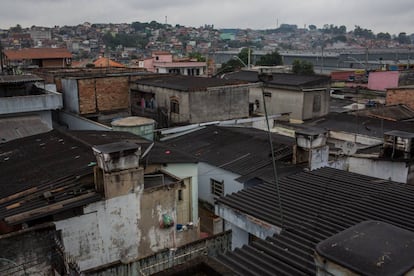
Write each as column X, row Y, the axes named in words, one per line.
column 400, row 96
column 163, row 98
column 217, row 104
column 202, row 106
column 395, row 171
column 243, row 224
column 124, row 228
column 69, row 88
column 28, row 252
column 76, row 122
column 281, row 101
column 299, row 104
column 48, row 101
column 207, row 172
column 122, row 182
column 187, row 171
column 313, row 100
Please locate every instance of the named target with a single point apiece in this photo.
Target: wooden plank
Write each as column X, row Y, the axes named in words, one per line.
column 44, row 210
column 17, row 195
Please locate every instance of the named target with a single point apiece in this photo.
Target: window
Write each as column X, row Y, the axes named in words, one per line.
column 267, row 94
column 180, row 195
column 174, row 106
column 217, row 187
column 316, row 103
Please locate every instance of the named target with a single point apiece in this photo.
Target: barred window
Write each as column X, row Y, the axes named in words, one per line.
column 175, row 106
column 217, row 187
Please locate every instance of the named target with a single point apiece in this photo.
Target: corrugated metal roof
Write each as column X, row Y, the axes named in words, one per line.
column 316, row 205
column 282, row 79
column 51, row 172
column 7, row 79
column 354, row 123
column 391, row 113
column 237, row 149
column 186, row 83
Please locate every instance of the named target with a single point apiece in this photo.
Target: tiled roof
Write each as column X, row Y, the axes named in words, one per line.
column 315, row 206
column 106, row 62
column 186, row 83
column 37, row 53
column 237, row 149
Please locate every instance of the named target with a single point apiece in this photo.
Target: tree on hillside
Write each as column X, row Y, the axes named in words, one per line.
column 302, row 67
column 384, row 36
column 271, row 59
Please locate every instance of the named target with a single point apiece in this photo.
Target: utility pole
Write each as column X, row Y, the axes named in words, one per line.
column 1, row 59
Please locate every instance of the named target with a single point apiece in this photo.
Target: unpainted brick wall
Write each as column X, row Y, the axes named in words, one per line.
column 103, row 94
column 400, row 96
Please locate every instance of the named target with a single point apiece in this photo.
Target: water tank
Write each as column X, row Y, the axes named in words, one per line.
column 140, row 126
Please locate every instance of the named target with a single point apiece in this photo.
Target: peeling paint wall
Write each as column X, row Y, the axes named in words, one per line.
column 108, row 232
column 124, row 228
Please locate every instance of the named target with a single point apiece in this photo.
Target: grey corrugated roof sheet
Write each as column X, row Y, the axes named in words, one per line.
column 7, row 79
column 58, row 163
column 316, row 205
column 240, row 150
column 398, row 112
column 353, row 123
column 186, row 83
column 282, row 79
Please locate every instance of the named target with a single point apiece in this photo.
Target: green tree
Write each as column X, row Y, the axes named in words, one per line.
column 271, row 59
column 302, row 67
column 244, row 54
column 230, row 66
column 384, row 36
column 197, row 56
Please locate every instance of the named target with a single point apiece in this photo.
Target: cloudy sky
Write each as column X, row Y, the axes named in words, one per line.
column 378, row 15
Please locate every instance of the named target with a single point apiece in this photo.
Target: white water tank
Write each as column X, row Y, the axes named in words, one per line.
column 140, row 126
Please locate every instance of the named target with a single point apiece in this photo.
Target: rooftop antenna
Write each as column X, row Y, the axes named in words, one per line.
column 264, row 78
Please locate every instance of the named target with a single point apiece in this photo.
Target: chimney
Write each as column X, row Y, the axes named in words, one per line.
column 118, row 172
column 368, row 248
column 311, row 148
column 398, row 144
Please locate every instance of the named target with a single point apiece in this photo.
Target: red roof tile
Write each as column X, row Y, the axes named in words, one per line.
column 37, row 53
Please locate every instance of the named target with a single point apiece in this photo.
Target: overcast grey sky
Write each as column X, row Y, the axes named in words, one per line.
column 378, row 15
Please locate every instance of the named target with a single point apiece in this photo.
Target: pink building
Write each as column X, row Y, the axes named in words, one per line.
column 163, row 62
column 382, row 80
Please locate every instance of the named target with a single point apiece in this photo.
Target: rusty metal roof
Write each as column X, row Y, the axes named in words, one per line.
column 37, row 53
column 316, row 205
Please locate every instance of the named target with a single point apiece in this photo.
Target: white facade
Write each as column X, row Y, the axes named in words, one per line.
column 206, row 172
column 187, row 171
